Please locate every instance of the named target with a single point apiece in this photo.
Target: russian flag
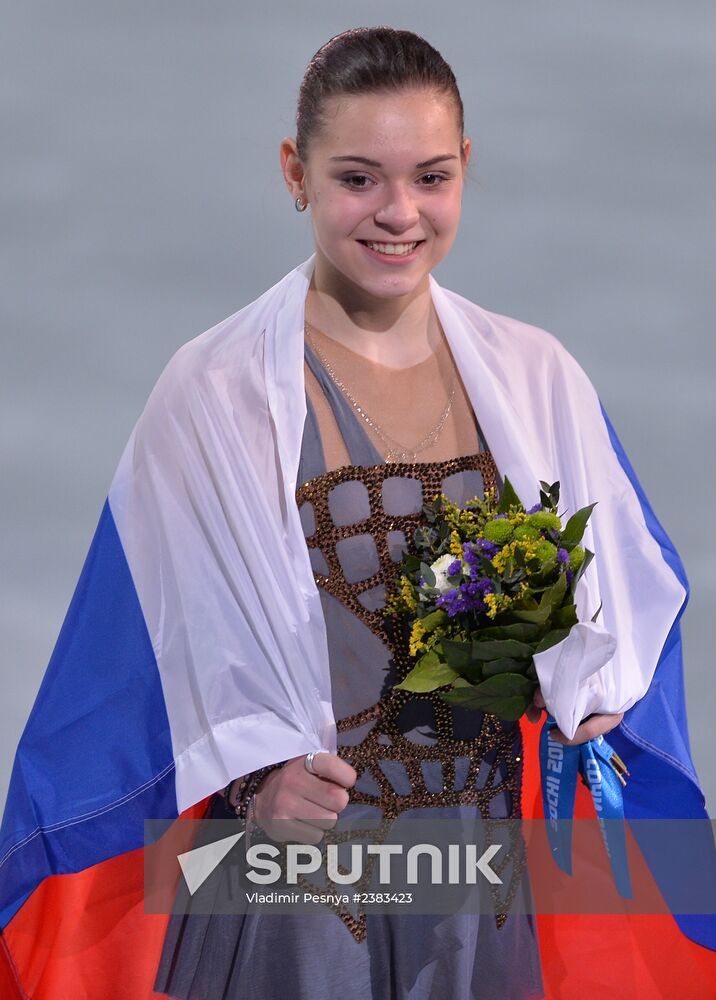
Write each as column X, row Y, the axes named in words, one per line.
column 119, row 733
column 95, row 760
column 187, row 657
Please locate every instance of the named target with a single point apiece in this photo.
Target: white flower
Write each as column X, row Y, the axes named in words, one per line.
column 440, row 569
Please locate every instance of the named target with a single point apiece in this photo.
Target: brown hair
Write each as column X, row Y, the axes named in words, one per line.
column 366, row 61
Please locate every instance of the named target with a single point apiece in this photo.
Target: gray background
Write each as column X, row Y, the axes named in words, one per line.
column 141, row 202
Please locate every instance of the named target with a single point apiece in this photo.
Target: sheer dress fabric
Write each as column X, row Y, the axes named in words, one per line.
column 375, row 956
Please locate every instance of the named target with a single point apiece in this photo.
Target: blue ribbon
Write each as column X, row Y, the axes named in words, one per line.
column 559, row 766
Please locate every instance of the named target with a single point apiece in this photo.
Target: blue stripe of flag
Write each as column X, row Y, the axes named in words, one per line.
column 95, row 758
column 653, row 740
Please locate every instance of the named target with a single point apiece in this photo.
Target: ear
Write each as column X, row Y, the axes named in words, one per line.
column 292, row 168
column 467, row 150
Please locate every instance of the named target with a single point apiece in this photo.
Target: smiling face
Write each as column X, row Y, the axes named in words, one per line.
column 384, row 181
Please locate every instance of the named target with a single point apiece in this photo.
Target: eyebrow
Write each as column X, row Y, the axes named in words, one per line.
column 374, row 163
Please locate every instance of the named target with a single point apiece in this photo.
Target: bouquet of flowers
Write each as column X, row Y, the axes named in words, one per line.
column 483, row 589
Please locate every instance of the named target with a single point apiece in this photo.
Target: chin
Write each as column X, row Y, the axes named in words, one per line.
column 385, row 286
column 377, row 282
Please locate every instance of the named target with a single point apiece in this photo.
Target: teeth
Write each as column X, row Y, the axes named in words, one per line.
column 392, row 248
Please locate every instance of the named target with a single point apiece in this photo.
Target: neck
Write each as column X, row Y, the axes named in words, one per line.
column 398, row 332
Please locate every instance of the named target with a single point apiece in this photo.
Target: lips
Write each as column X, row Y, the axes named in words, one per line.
column 393, row 252
column 391, row 243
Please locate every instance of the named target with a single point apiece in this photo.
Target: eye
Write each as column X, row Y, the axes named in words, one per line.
column 356, row 181
column 434, row 180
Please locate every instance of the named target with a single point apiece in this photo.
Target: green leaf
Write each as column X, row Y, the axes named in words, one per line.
column 554, row 595
column 435, row 618
column 491, row 649
column 427, row 574
column 548, row 567
column 549, row 495
column 588, row 556
column 504, row 665
column 552, row 638
column 565, row 617
column 537, row 617
column 505, row 695
column 508, row 499
column 574, row 528
column 518, row 630
column 428, row 674
column 596, row 613
column 458, row 654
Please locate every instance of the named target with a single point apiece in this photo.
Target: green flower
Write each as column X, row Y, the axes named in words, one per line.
column 526, row 533
column 545, row 551
column 576, row 558
column 543, row 519
column 497, row 531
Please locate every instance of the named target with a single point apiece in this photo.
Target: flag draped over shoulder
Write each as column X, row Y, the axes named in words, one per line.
column 194, row 648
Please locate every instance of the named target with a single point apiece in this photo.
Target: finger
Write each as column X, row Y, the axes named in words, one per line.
column 326, row 795
column 328, row 765
column 533, row 713
column 595, row 725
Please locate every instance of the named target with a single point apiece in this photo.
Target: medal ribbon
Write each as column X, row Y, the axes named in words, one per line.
column 602, row 770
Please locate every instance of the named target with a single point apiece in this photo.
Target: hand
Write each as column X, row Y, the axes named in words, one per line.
column 593, row 725
column 534, row 711
column 293, row 804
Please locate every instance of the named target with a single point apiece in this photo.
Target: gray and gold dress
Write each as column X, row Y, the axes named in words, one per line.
column 413, row 753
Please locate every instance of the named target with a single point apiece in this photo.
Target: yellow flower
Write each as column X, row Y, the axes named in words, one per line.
column 491, row 602
column 406, row 592
column 496, row 602
column 455, row 544
column 502, row 558
column 416, row 637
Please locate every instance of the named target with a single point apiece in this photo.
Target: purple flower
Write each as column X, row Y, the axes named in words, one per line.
column 421, row 582
column 489, row 549
column 454, row 568
column 499, row 517
column 447, row 599
column 466, row 598
column 562, row 555
column 533, row 510
column 570, row 576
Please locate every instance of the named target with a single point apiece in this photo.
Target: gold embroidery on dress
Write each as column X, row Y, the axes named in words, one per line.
column 386, row 741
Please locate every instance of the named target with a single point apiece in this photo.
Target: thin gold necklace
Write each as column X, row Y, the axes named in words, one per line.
column 396, row 452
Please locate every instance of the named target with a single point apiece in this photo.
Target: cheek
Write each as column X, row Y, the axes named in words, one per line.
column 448, row 221
column 337, row 217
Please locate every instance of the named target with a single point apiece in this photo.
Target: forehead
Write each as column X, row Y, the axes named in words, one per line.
column 392, row 124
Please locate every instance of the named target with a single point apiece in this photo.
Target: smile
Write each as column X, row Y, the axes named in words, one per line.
column 400, row 251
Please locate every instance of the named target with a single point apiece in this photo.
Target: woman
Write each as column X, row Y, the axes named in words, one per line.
column 254, row 521
column 379, row 159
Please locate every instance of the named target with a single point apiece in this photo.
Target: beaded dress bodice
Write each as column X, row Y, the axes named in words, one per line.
column 411, row 751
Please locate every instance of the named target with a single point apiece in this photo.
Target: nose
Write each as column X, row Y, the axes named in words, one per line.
column 398, row 211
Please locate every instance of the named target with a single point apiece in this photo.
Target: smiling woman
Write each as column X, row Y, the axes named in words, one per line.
column 228, row 646
column 383, row 174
